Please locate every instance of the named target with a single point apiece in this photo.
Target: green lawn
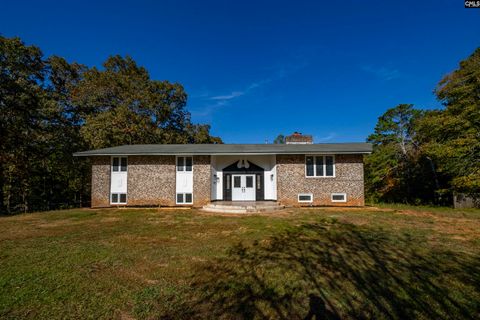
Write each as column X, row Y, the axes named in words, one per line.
column 389, row 263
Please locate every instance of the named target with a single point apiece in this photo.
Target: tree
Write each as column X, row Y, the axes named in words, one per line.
column 50, row 108
column 122, row 105
column 22, row 72
column 397, row 170
column 426, row 156
column 452, row 136
column 280, row 139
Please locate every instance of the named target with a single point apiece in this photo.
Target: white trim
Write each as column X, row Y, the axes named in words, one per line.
column 339, row 194
column 305, row 194
column 324, row 166
column 184, row 193
column 122, row 175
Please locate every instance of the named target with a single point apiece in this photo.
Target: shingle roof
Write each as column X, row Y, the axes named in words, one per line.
column 229, row 149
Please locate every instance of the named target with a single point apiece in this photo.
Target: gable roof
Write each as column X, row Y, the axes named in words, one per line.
column 229, row 149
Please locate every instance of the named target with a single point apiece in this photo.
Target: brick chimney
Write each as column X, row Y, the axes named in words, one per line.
column 298, row 138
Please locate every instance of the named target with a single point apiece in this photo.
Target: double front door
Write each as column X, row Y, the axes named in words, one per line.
column 243, row 187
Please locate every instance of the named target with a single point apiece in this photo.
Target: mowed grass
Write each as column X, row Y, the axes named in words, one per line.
column 359, row 263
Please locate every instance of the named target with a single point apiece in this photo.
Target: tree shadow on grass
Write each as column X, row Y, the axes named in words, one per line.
column 331, row 270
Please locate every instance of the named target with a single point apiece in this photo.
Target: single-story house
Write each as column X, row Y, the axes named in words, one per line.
column 296, row 173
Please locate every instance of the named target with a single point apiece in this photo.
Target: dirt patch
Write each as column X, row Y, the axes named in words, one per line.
column 126, row 316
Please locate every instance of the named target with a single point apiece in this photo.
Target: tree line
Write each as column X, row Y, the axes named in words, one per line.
column 425, row 156
column 51, row 108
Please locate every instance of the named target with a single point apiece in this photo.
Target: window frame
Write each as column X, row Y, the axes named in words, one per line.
column 344, row 194
column 118, row 198
column 184, row 198
column 324, row 166
column 119, row 164
column 184, row 164
column 305, row 194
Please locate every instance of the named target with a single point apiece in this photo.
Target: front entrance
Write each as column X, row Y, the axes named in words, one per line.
column 243, row 181
column 243, row 187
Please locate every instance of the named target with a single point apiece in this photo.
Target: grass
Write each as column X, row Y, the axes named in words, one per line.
column 389, row 262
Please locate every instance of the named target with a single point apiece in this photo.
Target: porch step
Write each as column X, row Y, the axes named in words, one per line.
column 242, row 207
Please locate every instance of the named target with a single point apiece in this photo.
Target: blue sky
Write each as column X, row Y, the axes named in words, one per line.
column 254, row 69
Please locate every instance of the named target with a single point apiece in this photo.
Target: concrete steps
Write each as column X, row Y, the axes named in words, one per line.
column 242, row 207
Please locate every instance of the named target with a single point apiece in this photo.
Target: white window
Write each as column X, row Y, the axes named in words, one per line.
column 184, row 198
column 118, row 180
column 184, row 163
column 339, row 197
column 305, row 197
column 119, row 198
column 119, row 164
column 320, row 166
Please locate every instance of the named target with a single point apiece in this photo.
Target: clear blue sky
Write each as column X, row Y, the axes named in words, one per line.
column 254, row 69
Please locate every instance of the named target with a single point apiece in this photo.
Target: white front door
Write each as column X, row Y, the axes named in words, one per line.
column 243, row 187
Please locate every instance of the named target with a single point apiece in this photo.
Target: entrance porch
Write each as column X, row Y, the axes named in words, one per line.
column 242, row 206
column 243, row 178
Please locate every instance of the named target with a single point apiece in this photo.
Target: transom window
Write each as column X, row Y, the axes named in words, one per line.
column 184, row 163
column 119, row 164
column 320, row 166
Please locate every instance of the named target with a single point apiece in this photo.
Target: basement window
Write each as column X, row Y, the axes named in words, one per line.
column 184, row 198
column 339, row 197
column 305, row 197
column 119, row 198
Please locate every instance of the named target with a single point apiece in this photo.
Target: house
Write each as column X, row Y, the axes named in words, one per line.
column 296, row 173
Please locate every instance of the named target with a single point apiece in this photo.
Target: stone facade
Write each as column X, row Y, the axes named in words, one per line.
column 201, row 180
column 151, row 181
column 291, row 181
column 100, row 182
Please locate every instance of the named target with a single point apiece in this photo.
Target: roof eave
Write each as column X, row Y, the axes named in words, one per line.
column 82, row 154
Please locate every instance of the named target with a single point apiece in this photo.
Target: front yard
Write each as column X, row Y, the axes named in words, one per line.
column 389, row 262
